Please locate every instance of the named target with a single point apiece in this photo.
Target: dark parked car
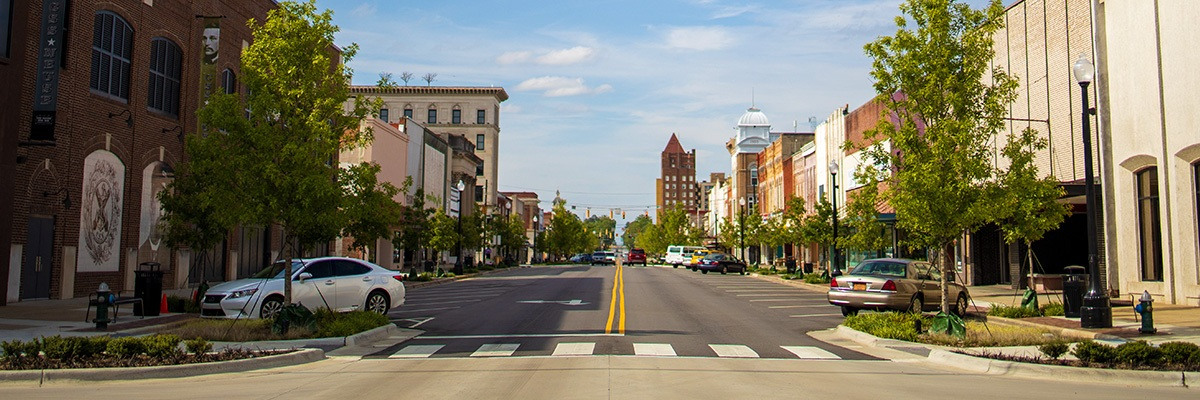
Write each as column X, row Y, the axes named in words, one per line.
column 603, row 257
column 720, row 262
column 637, row 256
column 894, row 284
column 581, row 258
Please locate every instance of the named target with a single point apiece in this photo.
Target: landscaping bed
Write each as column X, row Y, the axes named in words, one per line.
column 57, row 352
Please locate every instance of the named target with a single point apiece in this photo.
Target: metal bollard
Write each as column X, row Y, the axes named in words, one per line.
column 1145, row 307
column 103, row 301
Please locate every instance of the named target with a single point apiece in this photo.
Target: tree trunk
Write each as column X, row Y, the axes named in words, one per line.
column 290, row 250
column 947, row 269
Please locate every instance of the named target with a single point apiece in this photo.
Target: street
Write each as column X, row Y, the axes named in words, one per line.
column 604, row 332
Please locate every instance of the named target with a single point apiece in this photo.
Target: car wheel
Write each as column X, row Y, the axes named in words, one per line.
column 848, row 311
column 724, row 270
column 917, row 305
column 742, row 271
column 960, row 305
column 271, row 307
column 704, row 272
column 377, row 302
column 674, row 265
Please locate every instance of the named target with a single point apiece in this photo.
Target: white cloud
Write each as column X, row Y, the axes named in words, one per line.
column 569, row 56
column 364, row 10
column 559, row 86
column 514, row 57
column 699, row 38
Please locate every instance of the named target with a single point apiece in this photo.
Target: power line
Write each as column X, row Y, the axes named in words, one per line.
column 571, row 192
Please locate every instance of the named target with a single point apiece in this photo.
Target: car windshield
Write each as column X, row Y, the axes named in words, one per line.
column 275, row 271
column 879, row 268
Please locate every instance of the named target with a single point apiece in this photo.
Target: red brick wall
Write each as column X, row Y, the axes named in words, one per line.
column 84, row 126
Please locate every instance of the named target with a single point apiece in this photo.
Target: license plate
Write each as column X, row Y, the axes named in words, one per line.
column 860, row 286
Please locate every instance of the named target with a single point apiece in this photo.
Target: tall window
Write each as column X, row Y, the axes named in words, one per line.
column 165, row 60
column 5, row 26
column 479, row 142
column 480, row 117
column 408, row 113
column 1149, row 225
column 383, row 114
column 112, row 40
column 1196, row 185
column 228, row 81
column 456, row 116
column 479, row 170
column 433, row 115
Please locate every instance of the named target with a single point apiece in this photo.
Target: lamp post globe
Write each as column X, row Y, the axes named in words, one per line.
column 835, row 258
column 458, row 261
column 1096, row 310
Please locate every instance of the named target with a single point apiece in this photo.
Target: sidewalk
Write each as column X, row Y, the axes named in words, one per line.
column 36, row 318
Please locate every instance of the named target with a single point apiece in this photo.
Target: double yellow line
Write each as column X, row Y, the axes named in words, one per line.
column 618, row 295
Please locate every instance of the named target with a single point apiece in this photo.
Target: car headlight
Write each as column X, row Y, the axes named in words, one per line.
column 242, row 293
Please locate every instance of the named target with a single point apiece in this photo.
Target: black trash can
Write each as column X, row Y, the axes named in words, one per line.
column 1074, row 286
column 148, row 286
column 808, row 268
column 790, row 263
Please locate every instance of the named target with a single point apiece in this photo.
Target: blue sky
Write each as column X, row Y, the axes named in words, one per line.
column 597, row 88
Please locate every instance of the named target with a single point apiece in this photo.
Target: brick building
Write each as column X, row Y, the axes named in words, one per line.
column 107, row 92
column 676, row 187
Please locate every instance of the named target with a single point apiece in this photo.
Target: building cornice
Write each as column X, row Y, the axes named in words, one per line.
column 497, row 92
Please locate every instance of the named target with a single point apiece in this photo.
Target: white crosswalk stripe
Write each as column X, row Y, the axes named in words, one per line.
column 417, row 351
column 733, row 351
column 810, row 352
column 574, row 349
column 496, row 350
column 653, row 349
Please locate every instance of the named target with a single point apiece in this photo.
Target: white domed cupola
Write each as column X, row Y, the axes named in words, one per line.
column 753, row 131
column 753, row 117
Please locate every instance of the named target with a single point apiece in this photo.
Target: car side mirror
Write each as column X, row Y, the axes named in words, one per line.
column 305, row 276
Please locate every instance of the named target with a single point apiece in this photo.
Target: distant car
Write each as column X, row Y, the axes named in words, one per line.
column 581, row 258
column 637, row 256
column 679, row 255
column 894, row 284
column 720, row 262
column 697, row 255
column 603, row 257
column 336, row 283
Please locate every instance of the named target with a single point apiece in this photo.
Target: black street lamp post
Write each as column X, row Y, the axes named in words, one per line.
column 458, row 262
column 1096, row 311
column 742, row 227
column 834, row 266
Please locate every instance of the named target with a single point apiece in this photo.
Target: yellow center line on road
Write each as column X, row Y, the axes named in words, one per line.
column 618, row 296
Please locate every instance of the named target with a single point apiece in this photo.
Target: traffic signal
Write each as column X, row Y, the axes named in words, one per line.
column 622, row 215
column 610, row 213
column 589, row 212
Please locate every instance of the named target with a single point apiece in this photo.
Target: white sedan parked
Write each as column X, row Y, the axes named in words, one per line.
column 337, row 283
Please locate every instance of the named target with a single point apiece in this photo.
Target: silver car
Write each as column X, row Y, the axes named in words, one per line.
column 894, row 284
column 337, row 283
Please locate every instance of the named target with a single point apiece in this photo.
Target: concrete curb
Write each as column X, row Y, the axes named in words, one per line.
column 169, row 371
column 1070, row 332
column 436, row 282
column 361, row 337
column 941, row 356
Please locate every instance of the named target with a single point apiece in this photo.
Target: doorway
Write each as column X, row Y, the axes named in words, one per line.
column 39, row 258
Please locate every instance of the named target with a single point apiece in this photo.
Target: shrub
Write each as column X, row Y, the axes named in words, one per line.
column 486, row 268
column 65, row 348
column 1178, row 352
column 424, row 277
column 1093, row 352
column 816, row 279
column 16, row 348
column 336, row 325
column 1054, row 349
column 901, row 326
column 1051, row 309
column 471, row 271
column 198, row 346
column 125, row 347
column 294, row 315
column 1000, row 310
column 1137, row 353
column 161, row 346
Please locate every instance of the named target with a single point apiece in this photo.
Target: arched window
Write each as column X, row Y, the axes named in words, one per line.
column 112, row 45
column 163, row 92
column 1149, row 224
column 228, row 81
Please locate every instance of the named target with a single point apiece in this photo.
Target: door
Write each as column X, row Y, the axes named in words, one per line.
column 933, row 287
column 39, row 256
column 353, row 282
column 319, row 290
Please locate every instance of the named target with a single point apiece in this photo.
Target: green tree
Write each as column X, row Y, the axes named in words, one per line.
column 443, row 232
column 862, row 213
column 674, row 227
column 1028, row 206
column 369, row 205
column 792, row 220
column 512, row 233
column 566, row 233
column 945, row 119
column 413, row 231
column 279, row 165
column 817, row 226
column 603, row 228
column 634, row 229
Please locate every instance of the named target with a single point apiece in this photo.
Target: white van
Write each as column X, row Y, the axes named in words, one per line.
column 678, row 255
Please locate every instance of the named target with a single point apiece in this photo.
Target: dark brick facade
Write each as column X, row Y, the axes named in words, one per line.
column 87, row 122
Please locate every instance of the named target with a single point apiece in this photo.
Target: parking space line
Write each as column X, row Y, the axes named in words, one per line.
column 426, row 309
column 805, row 306
column 815, row 315
column 733, row 351
column 653, row 349
column 810, row 352
column 574, row 349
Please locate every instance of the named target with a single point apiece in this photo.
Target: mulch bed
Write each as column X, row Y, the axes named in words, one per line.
column 135, row 322
column 34, row 363
column 1128, row 333
column 1077, row 363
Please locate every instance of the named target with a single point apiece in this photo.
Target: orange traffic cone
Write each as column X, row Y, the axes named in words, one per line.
column 162, row 308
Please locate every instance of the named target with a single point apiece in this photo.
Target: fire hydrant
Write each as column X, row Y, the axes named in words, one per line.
column 1145, row 307
column 103, row 301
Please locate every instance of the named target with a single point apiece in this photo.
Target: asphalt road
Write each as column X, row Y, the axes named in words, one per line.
column 603, row 310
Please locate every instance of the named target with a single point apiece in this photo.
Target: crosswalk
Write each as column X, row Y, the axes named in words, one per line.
column 584, row 349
